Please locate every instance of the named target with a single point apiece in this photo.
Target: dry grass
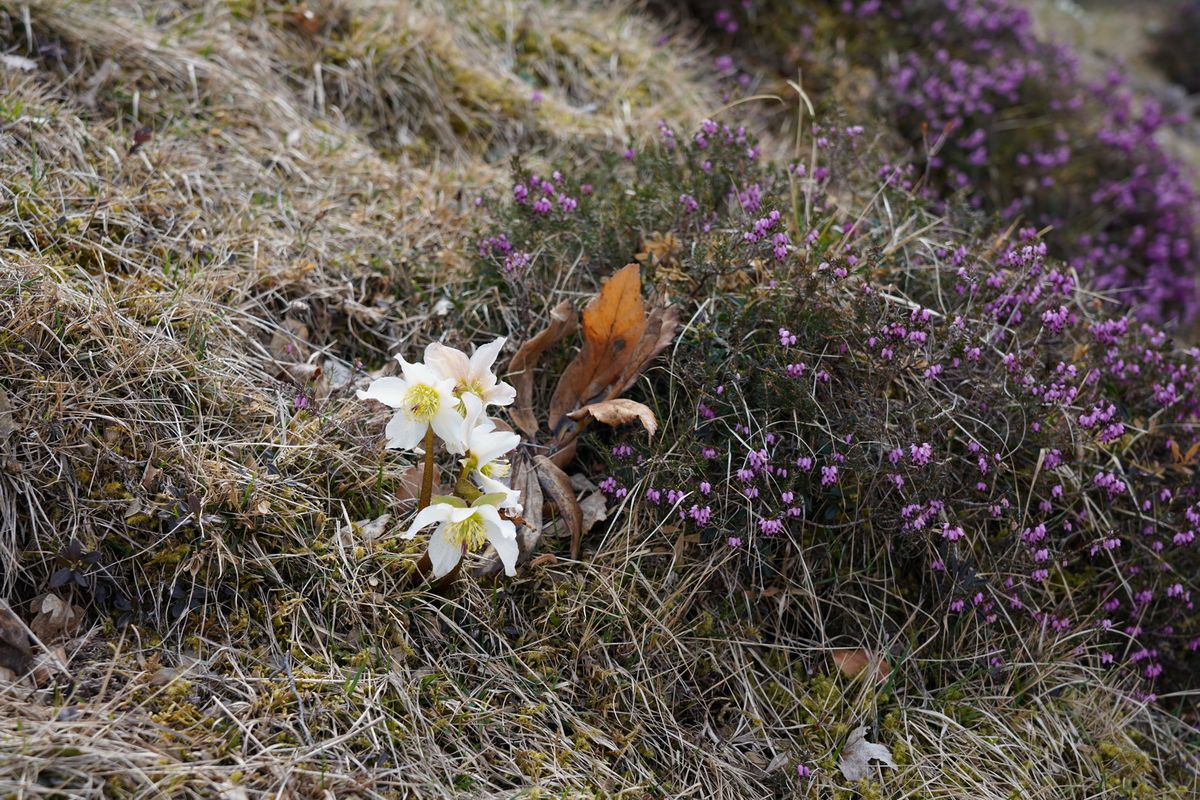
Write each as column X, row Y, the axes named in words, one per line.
column 304, row 201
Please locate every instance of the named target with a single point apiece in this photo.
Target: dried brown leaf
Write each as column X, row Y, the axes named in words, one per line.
column 54, row 616
column 853, row 661
column 857, row 754
column 660, row 332
column 613, row 323
column 592, row 501
column 557, row 486
column 15, row 652
column 618, row 411
column 563, row 320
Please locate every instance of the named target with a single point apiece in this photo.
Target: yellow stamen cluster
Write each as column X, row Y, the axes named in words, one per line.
column 496, row 469
column 472, row 387
column 469, row 532
column 422, row 402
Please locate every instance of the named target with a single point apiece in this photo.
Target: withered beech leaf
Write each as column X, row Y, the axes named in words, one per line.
column 618, row 411
column 563, row 320
column 591, row 500
column 857, row 755
column 853, row 661
column 613, row 323
column 660, row 332
column 15, row 652
column 557, row 487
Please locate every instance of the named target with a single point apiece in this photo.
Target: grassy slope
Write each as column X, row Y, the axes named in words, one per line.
column 304, row 200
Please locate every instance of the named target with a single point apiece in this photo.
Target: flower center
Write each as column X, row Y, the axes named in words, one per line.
column 469, row 532
column 469, row 386
column 422, row 402
column 495, row 469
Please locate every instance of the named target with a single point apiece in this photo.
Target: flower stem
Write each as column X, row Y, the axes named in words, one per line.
column 427, row 476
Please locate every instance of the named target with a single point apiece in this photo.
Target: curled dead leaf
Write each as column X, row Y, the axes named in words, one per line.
column 557, row 486
column 857, row 754
column 15, row 653
column 618, row 411
column 613, row 323
column 54, row 616
column 592, row 501
column 563, row 320
column 853, row 661
column 661, row 326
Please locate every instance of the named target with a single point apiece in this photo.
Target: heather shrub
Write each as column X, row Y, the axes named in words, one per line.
column 902, row 405
column 1003, row 121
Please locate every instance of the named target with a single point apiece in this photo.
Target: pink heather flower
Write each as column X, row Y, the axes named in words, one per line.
column 829, row 476
column 802, row 771
column 804, row 462
column 705, row 487
column 770, row 527
column 734, row 541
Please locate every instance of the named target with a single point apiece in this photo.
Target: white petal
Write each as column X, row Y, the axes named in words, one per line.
column 389, row 391
column 462, row 514
column 487, row 446
column 447, row 424
column 500, row 395
column 492, row 486
column 403, row 432
column 443, row 553
column 473, row 416
column 416, row 372
column 438, row 512
column 448, row 362
column 505, row 544
column 492, row 520
column 484, row 358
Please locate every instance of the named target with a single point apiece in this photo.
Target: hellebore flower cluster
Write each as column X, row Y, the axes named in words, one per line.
column 446, row 396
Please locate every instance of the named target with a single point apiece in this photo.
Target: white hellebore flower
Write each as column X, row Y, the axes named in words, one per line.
column 483, row 447
column 462, row 528
column 422, row 399
column 472, row 375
